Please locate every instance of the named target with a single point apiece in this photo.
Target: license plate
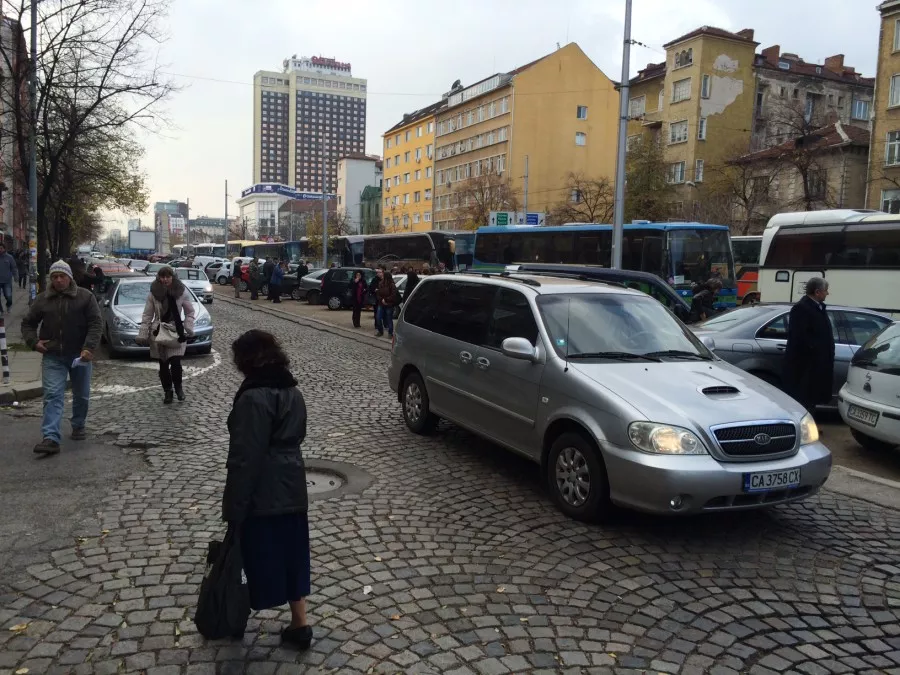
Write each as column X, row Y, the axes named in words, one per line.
column 863, row 415
column 771, row 480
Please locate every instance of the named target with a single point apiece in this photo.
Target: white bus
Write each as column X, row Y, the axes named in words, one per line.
column 856, row 250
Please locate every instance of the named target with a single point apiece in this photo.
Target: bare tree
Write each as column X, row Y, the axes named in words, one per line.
column 648, row 193
column 588, row 200
column 474, row 200
column 98, row 82
column 338, row 225
column 239, row 229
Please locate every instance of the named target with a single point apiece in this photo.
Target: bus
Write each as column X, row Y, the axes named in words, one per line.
column 454, row 249
column 291, row 251
column 856, row 250
column 681, row 253
column 209, row 249
column 746, row 267
column 234, row 247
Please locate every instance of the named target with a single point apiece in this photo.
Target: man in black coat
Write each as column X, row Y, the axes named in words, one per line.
column 809, row 357
column 268, row 268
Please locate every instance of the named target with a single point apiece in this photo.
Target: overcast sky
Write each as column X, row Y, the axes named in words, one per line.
column 411, row 52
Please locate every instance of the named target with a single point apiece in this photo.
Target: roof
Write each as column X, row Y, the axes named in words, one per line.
column 821, row 140
column 588, row 227
column 711, row 31
column 416, row 115
column 651, row 72
column 804, row 69
column 542, row 284
column 362, row 156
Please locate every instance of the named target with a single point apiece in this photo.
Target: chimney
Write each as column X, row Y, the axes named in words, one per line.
column 772, row 54
column 835, row 63
column 746, row 33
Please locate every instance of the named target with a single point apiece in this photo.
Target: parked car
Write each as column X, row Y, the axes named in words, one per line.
column 869, row 402
column 122, row 308
column 153, row 268
column 310, row 287
column 138, row 265
column 223, row 274
column 197, row 282
column 289, row 286
column 650, row 284
column 335, row 286
column 754, row 337
column 616, row 400
column 212, row 269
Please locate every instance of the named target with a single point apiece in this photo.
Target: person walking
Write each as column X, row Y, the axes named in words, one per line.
column 412, row 280
column 265, row 488
column 372, row 298
column 277, row 281
column 253, row 271
column 64, row 324
column 237, row 272
column 268, row 268
column 302, row 270
column 809, row 355
column 22, row 262
column 163, row 328
column 9, row 274
column 386, row 298
column 358, row 292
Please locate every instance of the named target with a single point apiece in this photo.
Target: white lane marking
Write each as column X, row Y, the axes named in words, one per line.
column 109, row 390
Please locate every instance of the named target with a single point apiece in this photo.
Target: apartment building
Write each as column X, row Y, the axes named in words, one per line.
column 355, row 173
column 304, row 119
column 408, row 167
column 559, row 111
column 884, row 157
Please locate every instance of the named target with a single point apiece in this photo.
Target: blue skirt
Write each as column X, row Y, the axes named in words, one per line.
column 276, row 559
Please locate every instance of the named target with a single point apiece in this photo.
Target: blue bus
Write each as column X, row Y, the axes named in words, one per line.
column 681, row 253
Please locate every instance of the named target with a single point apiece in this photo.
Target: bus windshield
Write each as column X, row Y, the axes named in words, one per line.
column 695, row 255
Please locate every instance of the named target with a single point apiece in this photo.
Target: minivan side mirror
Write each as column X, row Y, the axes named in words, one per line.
column 518, row 348
column 708, row 342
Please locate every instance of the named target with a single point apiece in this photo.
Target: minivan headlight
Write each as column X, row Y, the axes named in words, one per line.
column 663, row 439
column 809, row 432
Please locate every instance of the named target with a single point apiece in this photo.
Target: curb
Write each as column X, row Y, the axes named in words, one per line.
column 315, row 324
column 864, row 486
column 9, row 394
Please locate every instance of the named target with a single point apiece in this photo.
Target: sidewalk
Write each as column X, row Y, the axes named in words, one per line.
column 24, row 364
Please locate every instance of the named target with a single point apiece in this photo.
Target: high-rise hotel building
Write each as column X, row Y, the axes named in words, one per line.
column 313, row 110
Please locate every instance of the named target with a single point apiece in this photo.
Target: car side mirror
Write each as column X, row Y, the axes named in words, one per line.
column 708, row 342
column 519, row 348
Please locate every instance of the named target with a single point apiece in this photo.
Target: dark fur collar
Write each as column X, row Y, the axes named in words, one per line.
column 175, row 291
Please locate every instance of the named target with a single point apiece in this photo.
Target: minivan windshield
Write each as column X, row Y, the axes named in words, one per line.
column 882, row 352
column 617, row 327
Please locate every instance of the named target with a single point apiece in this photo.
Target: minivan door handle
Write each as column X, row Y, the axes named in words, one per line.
column 465, row 357
column 781, row 348
column 482, row 363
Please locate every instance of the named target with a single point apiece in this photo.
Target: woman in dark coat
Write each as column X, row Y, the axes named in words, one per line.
column 265, row 490
column 412, row 280
column 358, row 293
column 809, row 355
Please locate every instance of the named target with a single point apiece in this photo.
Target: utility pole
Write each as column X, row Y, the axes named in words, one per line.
column 32, row 169
column 525, row 206
column 225, row 241
column 324, row 213
column 619, row 207
column 187, row 229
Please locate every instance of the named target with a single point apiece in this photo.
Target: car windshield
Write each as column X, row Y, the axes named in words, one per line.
column 616, row 325
column 732, row 318
column 133, row 294
column 882, row 352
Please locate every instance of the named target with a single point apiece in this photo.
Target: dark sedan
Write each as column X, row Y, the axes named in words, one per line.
column 754, row 337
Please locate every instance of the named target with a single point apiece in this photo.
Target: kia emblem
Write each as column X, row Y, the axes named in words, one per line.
column 762, row 439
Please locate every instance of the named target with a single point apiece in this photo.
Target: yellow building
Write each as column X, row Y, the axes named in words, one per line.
column 884, row 153
column 698, row 104
column 560, row 112
column 409, row 171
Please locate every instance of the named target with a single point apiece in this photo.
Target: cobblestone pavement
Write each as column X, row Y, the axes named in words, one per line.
column 452, row 560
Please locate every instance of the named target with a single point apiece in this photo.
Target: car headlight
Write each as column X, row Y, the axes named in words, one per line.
column 662, row 439
column 809, row 432
column 203, row 321
column 208, row 288
column 123, row 322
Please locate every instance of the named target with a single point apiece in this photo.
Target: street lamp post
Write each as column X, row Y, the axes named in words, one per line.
column 32, row 152
column 619, row 208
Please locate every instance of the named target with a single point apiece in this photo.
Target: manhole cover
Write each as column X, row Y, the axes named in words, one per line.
column 318, row 482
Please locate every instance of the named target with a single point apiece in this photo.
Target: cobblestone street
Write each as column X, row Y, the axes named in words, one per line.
column 451, row 559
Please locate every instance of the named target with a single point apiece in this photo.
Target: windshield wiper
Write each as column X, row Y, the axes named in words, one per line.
column 679, row 354
column 621, row 356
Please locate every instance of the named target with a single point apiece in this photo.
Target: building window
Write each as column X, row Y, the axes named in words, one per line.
column 698, row 171
column 676, row 173
column 387, row 164
column 406, row 156
column 387, row 222
column 890, row 201
column 701, row 129
column 427, row 194
column 429, row 150
column 429, row 171
column 684, row 58
column 418, row 154
column 426, row 216
column 705, row 84
column 897, row 35
column 415, row 218
column 860, row 110
column 388, row 143
column 406, row 136
column 681, row 90
column 580, row 138
column 406, row 198
column 892, row 149
column 815, row 184
column 397, row 139
column 417, row 197
column 637, row 106
column 678, row 132
column 396, row 160
column 419, row 131
column 431, row 127
column 406, row 178
column 895, row 91
column 581, row 112
column 418, row 174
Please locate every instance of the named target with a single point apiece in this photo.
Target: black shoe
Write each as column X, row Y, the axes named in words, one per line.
column 169, row 397
column 379, row 333
column 79, row 434
column 301, row 638
column 179, row 392
column 47, row 447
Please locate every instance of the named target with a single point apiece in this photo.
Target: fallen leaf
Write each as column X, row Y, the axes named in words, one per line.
column 22, row 671
column 613, row 655
column 395, row 617
column 523, row 619
column 177, row 631
column 367, row 589
column 104, row 531
column 501, row 589
column 378, row 558
column 19, row 627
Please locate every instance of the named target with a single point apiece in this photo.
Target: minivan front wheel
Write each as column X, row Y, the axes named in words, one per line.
column 416, row 406
column 577, row 478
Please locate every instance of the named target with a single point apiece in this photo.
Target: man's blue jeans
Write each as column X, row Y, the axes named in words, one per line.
column 384, row 319
column 55, row 370
column 6, row 287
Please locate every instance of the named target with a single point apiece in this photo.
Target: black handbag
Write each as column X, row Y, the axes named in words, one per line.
column 223, row 605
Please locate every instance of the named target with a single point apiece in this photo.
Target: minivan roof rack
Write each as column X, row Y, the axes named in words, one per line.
column 504, row 275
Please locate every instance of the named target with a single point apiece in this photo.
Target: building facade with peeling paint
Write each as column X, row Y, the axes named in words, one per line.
column 884, row 156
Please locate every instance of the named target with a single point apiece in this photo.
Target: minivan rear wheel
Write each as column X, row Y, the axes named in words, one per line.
column 416, row 406
column 577, row 478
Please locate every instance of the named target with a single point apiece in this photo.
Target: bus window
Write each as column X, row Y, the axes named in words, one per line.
column 593, row 248
column 805, row 246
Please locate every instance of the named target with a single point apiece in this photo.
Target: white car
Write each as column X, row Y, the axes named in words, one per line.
column 197, row 282
column 870, row 400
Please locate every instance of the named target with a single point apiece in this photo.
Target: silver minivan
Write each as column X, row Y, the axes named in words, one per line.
column 602, row 386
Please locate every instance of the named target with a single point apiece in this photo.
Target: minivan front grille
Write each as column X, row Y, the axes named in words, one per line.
column 757, row 439
column 720, row 390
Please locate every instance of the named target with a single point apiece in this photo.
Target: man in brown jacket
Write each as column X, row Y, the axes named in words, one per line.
column 386, row 297
column 64, row 325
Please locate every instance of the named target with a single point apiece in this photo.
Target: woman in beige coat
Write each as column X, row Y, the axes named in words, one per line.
column 167, row 301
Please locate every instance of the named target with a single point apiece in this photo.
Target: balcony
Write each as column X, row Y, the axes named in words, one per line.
column 652, row 119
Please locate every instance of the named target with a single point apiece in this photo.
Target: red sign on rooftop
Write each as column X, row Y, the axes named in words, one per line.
column 329, row 63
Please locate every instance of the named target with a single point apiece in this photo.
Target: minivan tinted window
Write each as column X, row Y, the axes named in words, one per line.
column 457, row 309
column 511, row 317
